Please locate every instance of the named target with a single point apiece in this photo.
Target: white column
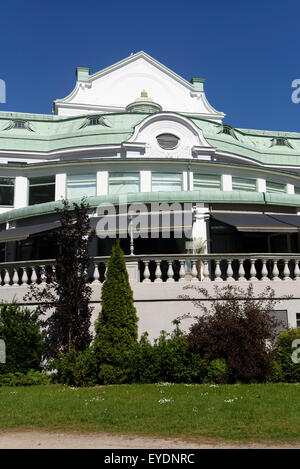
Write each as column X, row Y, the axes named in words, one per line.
column 60, row 186
column 185, row 183
column 226, row 182
column 145, row 181
column 102, row 182
column 261, row 185
column 21, row 192
column 200, row 225
column 191, row 180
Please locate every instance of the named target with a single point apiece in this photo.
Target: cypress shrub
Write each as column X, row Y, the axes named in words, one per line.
column 116, row 327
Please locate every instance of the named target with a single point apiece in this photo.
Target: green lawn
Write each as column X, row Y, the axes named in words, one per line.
column 233, row 412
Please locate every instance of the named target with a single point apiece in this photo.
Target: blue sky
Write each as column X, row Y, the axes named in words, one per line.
column 249, row 52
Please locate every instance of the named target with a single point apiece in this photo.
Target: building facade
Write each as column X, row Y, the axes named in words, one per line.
column 137, row 133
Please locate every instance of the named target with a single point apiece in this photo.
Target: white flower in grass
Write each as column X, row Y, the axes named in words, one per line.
column 164, row 401
column 231, row 400
column 165, row 384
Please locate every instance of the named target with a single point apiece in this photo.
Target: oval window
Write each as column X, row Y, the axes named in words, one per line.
column 167, row 141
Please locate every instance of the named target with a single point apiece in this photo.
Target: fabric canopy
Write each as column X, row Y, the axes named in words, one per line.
column 258, row 222
column 19, row 233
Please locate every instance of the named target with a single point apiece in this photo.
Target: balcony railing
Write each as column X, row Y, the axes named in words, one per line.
column 168, row 268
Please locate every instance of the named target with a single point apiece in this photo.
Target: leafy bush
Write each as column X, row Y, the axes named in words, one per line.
column 20, row 328
column 76, row 368
column 290, row 371
column 238, row 328
column 169, row 359
column 217, row 371
column 276, row 374
column 21, row 379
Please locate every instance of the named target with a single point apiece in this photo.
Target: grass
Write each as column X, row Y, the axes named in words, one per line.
column 231, row 412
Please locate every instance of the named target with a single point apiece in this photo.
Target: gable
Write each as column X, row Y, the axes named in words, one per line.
column 113, row 88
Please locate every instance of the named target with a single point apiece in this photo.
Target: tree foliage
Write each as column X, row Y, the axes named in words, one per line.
column 67, row 291
column 21, row 331
column 237, row 327
column 116, row 327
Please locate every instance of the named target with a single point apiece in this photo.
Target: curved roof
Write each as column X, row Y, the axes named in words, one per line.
column 196, row 196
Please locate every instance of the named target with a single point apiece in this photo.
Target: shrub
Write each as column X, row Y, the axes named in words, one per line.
column 169, row 359
column 21, row 379
column 238, row 328
column 116, row 327
column 217, row 371
column 290, row 371
column 20, row 328
column 276, row 374
column 76, row 368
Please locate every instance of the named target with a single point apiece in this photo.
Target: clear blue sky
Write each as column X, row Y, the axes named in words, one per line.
column 249, row 52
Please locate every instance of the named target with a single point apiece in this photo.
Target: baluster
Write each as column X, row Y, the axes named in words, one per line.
column 241, row 272
column 43, row 276
column 253, row 272
column 275, row 272
column 53, row 276
column 157, row 272
column 182, row 270
column 218, row 272
column 297, row 271
column 104, row 273
column 194, row 271
column 206, row 272
column 229, row 271
column 286, row 270
column 146, row 273
column 96, row 274
column 170, row 272
column 15, row 278
column 6, row 278
column 24, row 278
column 33, row 275
column 264, row 271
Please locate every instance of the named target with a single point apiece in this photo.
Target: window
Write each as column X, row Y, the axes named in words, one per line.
column 19, row 125
column 297, row 190
column 275, row 187
column 209, row 181
column 226, row 130
column 167, row 141
column 122, row 183
column 243, row 184
column 166, row 182
column 281, row 141
column 298, row 319
column 94, row 121
column 41, row 189
column 7, row 190
column 80, row 185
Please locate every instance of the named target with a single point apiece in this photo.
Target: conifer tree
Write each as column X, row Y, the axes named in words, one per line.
column 116, row 327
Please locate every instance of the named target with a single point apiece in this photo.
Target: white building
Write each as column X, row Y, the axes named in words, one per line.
column 139, row 130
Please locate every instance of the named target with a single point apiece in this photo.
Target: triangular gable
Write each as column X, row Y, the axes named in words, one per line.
column 112, row 89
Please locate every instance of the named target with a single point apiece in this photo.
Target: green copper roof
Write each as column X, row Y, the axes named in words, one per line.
column 46, row 133
column 196, row 196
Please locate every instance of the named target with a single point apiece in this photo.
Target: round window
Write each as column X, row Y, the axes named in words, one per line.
column 167, row 141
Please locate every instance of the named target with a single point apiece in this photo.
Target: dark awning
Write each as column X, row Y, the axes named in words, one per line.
column 258, row 222
column 147, row 222
column 22, row 232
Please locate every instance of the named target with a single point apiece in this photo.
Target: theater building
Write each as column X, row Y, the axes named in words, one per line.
column 138, row 133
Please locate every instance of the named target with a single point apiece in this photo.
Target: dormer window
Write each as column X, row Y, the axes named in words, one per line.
column 19, row 125
column 94, row 121
column 281, row 141
column 226, row 130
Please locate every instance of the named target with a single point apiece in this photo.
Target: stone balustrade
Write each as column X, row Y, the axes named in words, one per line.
column 168, row 268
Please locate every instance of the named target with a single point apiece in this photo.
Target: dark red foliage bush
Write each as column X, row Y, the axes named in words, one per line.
column 238, row 327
